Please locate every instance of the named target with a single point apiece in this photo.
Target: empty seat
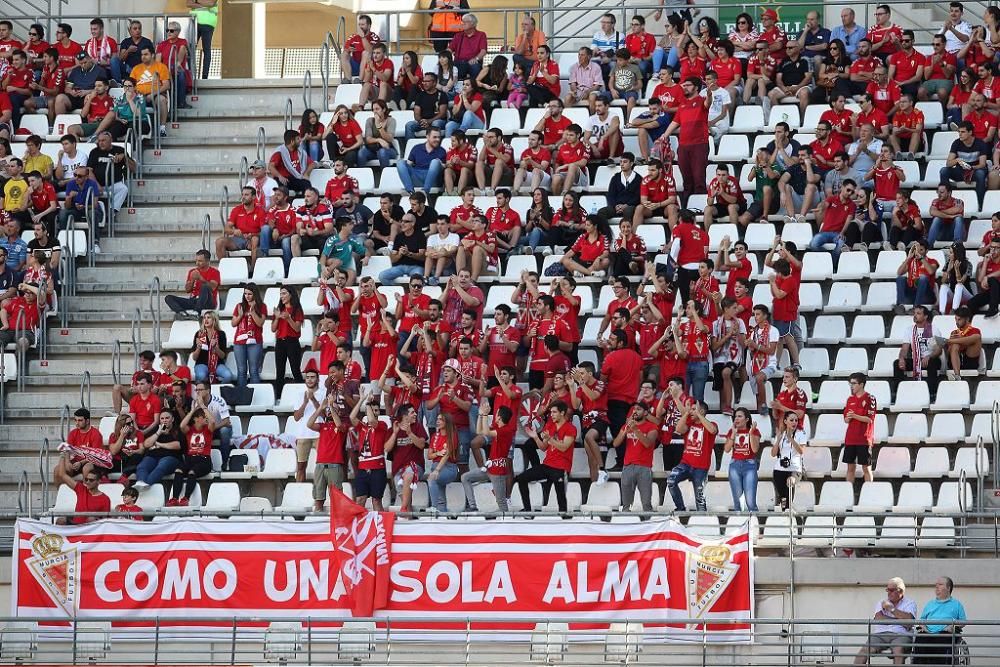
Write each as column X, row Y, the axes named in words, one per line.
column 987, row 393
column 845, row 297
column 850, row 360
column 853, row 266
column 867, row 330
column 875, row 497
column 897, row 532
column 967, row 461
column 828, row 330
column 950, row 501
column 817, row 461
column 931, row 463
column 830, row 431
column 857, row 532
column 818, row 531
column 954, row 395
column 223, row 497
column 836, row 497
column 909, row 428
column 779, row 531
column 936, row 533
column 914, row 497
column 911, row 396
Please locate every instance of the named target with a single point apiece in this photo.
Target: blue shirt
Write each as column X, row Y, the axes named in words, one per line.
column 821, row 36
column 421, row 159
column 17, row 252
column 944, row 610
column 80, row 193
column 850, row 40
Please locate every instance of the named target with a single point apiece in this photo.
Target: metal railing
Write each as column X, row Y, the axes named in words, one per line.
column 206, row 229
column 3, row 385
column 85, row 390
column 995, row 433
column 389, row 639
column 307, row 93
column 287, row 114
column 24, row 492
column 64, row 417
column 155, row 310
column 224, row 206
column 43, row 471
column 135, row 327
column 333, row 41
column 261, row 143
column 19, row 350
column 116, row 361
column 244, row 171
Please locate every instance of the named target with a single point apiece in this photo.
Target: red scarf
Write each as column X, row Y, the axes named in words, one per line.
column 761, row 336
column 919, row 333
column 213, row 358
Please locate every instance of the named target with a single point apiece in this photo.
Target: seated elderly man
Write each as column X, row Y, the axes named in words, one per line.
column 888, row 636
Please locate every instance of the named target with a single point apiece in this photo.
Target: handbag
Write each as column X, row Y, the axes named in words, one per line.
column 236, row 396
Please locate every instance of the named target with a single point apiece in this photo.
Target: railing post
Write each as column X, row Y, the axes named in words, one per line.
column 3, row 383
column 136, row 336
column 19, row 351
column 307, row 81
column 288, row 111
column 155, row 310
column 261, row 143
column 85, row 386
column 116, row 361
column 206, row 230
column 43, row 472
column 244, row 171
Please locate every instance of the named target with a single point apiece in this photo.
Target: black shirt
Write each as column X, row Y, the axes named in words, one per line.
column 382, row 225
column 793, row 72
column 415, row 242
column 428, row 103
column 47, row 248
column 360, row 215
column 8, row 279
column 426, row 220
column 135, row 57
column 99, row 161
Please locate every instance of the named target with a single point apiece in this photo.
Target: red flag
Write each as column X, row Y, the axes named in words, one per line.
column 362, row 541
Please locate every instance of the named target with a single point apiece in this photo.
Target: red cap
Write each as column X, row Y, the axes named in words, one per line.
column 770, row 14
column 312, row 366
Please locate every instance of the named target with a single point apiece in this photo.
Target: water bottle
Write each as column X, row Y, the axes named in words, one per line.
column 593, row 208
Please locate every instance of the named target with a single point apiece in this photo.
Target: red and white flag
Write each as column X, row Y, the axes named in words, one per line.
column 362, row 541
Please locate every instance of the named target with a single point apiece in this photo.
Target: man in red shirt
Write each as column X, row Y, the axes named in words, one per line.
column 657, row 196
column 885, row 35
column 461, row 217
column 915, row 277
column 790, row 398
column 785, row 283
column 691, row 120
column 145, row 405
column 640, row 45
column 841, row 119
column 773, row 34
column 455, row 399
column 358, row 48
column 89, row 497
column 460, row 161
column 590, row 398
column 965, row 343
column 20, row 312
column 504, row 222
column 497, row 159
column 67, row 48
column 534, row 163
column 545, row 324
column 553, row 125
column 571, row 162
column 82, row 436
column 724, row 197
column 689, row 245
column 377, row 75
column 884, row 92
column 907, row 128
column 556, row 440
column 906, row 66
column 640, row 437
column 331, row 459
column 341, row 186
column 859, row 415
column 699, row 443
column 120, row 392
column 862, row 70
column 202, row 286
column 989, row 86
column 824, row 148
column 245, row 228
column 984, row 123
column 621, row 372
column 939, row 73
column 735, row 267
column 872, row 115
column 832, row 216
column 281, row 219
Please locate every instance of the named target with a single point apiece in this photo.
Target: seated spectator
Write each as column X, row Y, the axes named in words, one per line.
column 477, row 250
column 792, row 78
column 831, row 217
column 378, row 139
column 936, row 645
column 535, row 162
column 407, row 254
column 343, row 137
column 45, row 242
column 35, row 160
column 441, row 250
column 493, row 83
column 263, row 184
column 834, row 179
column 939, row 72
column 100, row 47
column 290, row 165
column 907, row 224
column 947, row 212
column 129, row 112
column 760, row 72
column 202, row 286
column 311, row 131
column 869, row 114
column 922, row 351
column 964, row 345
column 504, row 223
column 358, row 48
column 469, row 48
column 640, row 46
column 723, row 196
column 623, row 193
column 571, row 160
column 988, row 281
column 20, row 313
column 833, row 75
column 281, row 219
column 360, row 216
column 17, row 84
column 129, row 51
column 110, row 165
column 728, row 71
column 958, row 101
column 338, row 249
column 51, row 83
column 625, row 81
column 430, row 107
column 424, row 163
column 586, row 80
column 906, row 66
column 915, row 277
column 984, row 122
column 798, row 186
column 907, row 129
column 97, row 105
column 628, row 251
column 89, row 497
column 765, row 177
column 589, row 254
column 246, row 229
column 884, row 92
column 44, row 203
column 497, row 157
column 956, row 285
column 152, row 81
column 815, row 40
column 865, row 228
column 692, row 63
column 448, row 81
column 34, row 47
column 161, row 452
column 385, row 223
column 887, row 177
column 543, row 79
column 460, row 161
column 603, row 133
column 377, row 74
column 341, row 187
column 967, row 160
column 173, row 52
column 743, row 36
column 863, row 153
column 527, row 43
column 657, row 195
column 81, row 193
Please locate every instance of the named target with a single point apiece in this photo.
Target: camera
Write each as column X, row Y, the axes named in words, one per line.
column 785, row 462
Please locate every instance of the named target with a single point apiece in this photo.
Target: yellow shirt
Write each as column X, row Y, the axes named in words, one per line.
column 537, row 39
column 143, row 75
column 14, row 193
column 41, row 163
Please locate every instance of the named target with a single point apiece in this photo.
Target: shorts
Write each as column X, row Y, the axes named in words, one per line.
column 418, row 473
column 302, row 448
column 968, row 363
column 240, row 242
column 626, row 95
column 605, row 153
column 940, row 86
column 717, row 373
column 768, row 372
column 507, row 178
column 311, row 242
column 719, row 210
column 75, row 103
column 582, row 179
column 370, row 483
column 355, row 66
column 601, row 427
column 325, row 475
column 857, row 454
column 882, row 641
column 756, row 208
column 88, row 128
column 789, row 329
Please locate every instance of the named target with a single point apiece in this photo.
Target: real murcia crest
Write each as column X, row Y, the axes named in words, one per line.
column 56, row 567
column 709, row 575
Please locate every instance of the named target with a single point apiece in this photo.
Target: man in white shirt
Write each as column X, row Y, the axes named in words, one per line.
column 603, row 133
column 956, row 29
column 305, row 437
column 722, row 102
column 862, row 154
column 895, row 638
column 922, row 352
column 203, row 398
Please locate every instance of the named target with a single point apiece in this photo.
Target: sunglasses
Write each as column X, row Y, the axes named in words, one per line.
column 33, row 34
column 80, row 175
column 173, row 30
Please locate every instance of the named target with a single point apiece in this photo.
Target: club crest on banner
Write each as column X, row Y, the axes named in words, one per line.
column 56, row 567
column 365, row 537
column 709, row 574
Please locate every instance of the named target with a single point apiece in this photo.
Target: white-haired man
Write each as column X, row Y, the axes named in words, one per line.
column 888, row 636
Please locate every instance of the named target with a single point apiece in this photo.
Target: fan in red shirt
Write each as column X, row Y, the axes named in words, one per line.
column 984, row 123
column 571, row 162
column 545, row 324
column 243, row 228
column 885, row 94
column 691, row 123
column 640, row 439
column 872, row 115
column 906, row 66
column 551, row 68
column 689, row 245
column 553, row 124
column 462, row 216
column 89, row 497
column 790, row 398
column 383, row 341
column 884, row 35
column 773, row 34
column 840, row 119
column 988, row 85
column 588, row 256
column 657, row 195
column 377, row 75
column 19, row 313
column 907, row 130
column 833, row 215
column 341, row 186
column 459, row 163
column 556, row 440
column 907, row 223
column 706, row 292
column 358, row 47
column 736, row 267
column 535, row 162
column 699, row 444
column 692, row 65
column 640, row 44
column 728, row 69
column 67, row 48
column 344, row 135
column 621, row 371
column 82, row 438
column 859, row 415
column 370, row 478
column 887, row 176
column 668, row 92
column 785, row 283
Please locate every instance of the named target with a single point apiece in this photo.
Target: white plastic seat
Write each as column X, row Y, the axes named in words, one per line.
column 815, row 362
column 914, row 497
column 704, row 525
column 858, row 532
column 852, row 266
column 818, row 531
column 844, row 297
column 897, row 532
column 941, row 145
column 779, row 531
column 280, row 464
column 733, row 147
column 936, row 532
column 931, row 463
column 33, row 124
column 817, row 461
column 302, row 271
column 799, row 232
column 909, row 428
column 233, row 270
column 817, row 266
column 603, row 498
column 223, row 497
column 875, row 497
column 987, row 393
column 804, row 496
column 718, row 496
column 747, row 119
column 949, row 500
column 954, row 395
column 867, row 330
column 850, row 360
column 911, row 396
column 262, row 401
column 268, row 271
column 965, row 461
column 759, row 236
column 881, row 298
column 885, row 358
column 836, row 497
column 296, row 498
column 830, row 431
column 783, row 113
column 181, row 335
column 828, row 330
column 833, row 395
column 347, row 94
column 887, row 264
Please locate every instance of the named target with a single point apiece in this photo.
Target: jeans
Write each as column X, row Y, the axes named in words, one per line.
column 117, row 68
column 822, row 238
column 225, row 435
column 550, row 478
column 436, row 488
column 265, row 241
column 81, row 216
column 286, row 252
column 204, row 301
column 383, row 155
column 470, row 121
column 953, row 115
column 743, row 482
column 314, row 149
column 468, row 70
column 681, row 472
column 498, row 482
column 390, row 275
column 696, row 376
column 180, row 88
column 152, row 469
column 428, row 178
column 919, row 294
column 248, row 358
column 205, row 33
column 412, row 127
column 222, row 373
column 958, row 175
column 668, row 56
column 938, row 225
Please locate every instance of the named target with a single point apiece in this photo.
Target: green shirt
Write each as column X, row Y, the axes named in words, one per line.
column 124, row 111
column 206, row 16
column 761, row 179
column 337, row 248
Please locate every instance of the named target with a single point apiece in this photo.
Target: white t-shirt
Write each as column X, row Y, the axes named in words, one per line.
column 905, row 605
column 772, row 337
column 732, row 351
column 924, row 344
column 597, row 127
column 435, row 241
column 785, row 449
column 953, row 44
column 266, row 188
column 301, row 428
column 70, row 163
column 720, row 98
column 219, row 409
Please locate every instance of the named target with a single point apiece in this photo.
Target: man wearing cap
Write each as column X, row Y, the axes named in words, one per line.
column 773, row 34
column 80, row 82
column 262, row 183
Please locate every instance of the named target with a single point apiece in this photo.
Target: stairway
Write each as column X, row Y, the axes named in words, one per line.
column 182, row 183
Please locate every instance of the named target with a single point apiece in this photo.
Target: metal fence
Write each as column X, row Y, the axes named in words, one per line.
column 395, row 641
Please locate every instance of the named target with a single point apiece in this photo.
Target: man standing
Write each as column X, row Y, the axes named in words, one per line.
column 883, row 636
column 921, row 352
column 859, row 415
column 699, row 443
column 640, row 439
column 202, row 286
column 692, row 121
column 621, row 372
column 425, row 163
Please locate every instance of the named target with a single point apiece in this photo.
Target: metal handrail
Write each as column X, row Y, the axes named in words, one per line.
column 206, row 231
column 116, row 361
column 995, row 432
column 224, row 207
column 64, row 284
column 261, row 143
column 89, row 212
column 324, row 70
column 3, row 383
column 244, row 171
column 157, row 121
column 43, row 470
column 307, row 81
column 155, row 310
column 64, row 422
column 136, row 331
column 130, row 175
column 24, row 494
column 42, row 337
column 192, row 41
column 19, row 351
column 85, row 390
column 288, row 113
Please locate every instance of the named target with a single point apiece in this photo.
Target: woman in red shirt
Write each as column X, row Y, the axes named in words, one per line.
column 543, row 81
column 343, row 137
column 727, row 68
column 467, row 110
column 406, row 446
column 567, row 222
column 287, row 327
column 248, row 335
column 442, row 453
column 589, row 253
column 197, row 427
column 125, row 444
column 312, row 132
column 408, row 79
column 907, row 223
column 556, row 440
column 743, row 441
column 692, row 63
column 958, row 101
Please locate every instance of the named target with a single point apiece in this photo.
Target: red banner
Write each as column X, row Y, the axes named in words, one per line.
column 495, row 573
column 361, row 544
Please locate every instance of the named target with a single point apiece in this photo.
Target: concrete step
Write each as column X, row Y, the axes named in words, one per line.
column 151, row 260
column 204, row 185
column 104, row 274
column 125, row 304
column 135, row 288
column 28, row 430
column 217, row 152
column 56, row 397
column 154, row 170
column 210, row 128
column 181, row 198
column 69, row 383
column 147, row 215
column 52, row 413
column 186, row 243
column 98, row 365
column 248, row 101
column 14, row 465
column 104, row 337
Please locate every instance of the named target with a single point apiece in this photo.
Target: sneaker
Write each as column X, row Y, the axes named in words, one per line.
column 183, row 502
column 546, row 251
column 953, row 127
column 801, row 219
column 140, row 485
column 432, row 280
column 860, row 247
column 788, row 220
column 385, row 251
column 952, row 376
column 602, row 477
column 97, row 248
column 163, row 130
column 598, row 274
column 171, row 503
column 764, row 412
